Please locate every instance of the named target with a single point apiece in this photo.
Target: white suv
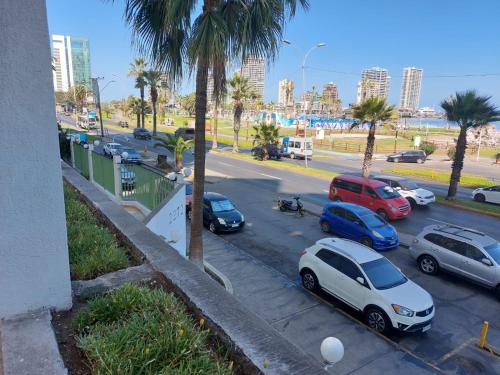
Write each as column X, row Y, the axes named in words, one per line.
column 368, row 282
column 413, row 193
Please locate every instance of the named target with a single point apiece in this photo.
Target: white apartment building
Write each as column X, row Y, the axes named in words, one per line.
column 374, row 82
column 285, row 92
column 410, row 88
column 253, row 69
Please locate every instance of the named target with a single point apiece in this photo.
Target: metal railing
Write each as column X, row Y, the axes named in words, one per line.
column 103, row 172
column 81, row 160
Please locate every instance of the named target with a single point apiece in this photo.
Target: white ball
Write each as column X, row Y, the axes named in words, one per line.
column 332, row 350
column 96, row 142
column 125, row 155
column 187, row 172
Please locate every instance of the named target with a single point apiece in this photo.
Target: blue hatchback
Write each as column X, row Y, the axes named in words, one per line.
column 359, row 224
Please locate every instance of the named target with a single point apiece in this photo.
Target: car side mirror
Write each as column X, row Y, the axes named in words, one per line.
column 360, row 280
column 486, row 261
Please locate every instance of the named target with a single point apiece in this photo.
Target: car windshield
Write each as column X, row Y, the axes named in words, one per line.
column 116, row 147
column 222, row 205
column 387, row 192
column 189, row 189
column 383, row 274
column 494, row 251
column 373, row 221
column 130, row 150
column 408, row 185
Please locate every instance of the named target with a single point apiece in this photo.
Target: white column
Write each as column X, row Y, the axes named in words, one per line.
column 34, row 264
column 72, row 151
column 117, row 162
column 91, row 165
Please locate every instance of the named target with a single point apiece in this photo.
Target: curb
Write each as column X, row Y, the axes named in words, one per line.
column 470, row 209
column 223, row 278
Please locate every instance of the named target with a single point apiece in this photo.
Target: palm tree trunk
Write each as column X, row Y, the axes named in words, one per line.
column 138, row 119
column 458, row 163
column 236, row 126
column 178, row 159
column 196, row 239
column 142, row 106
column 214, row 136
column 370, row 142
column 154, row 117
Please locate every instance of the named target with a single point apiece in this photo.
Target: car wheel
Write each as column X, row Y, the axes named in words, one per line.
column 309, row 280
column 412, row 202
column 420, row 161
column 325, row 226
column 480, row 198
column 497, row 292
column 212, row 227
column 396, row 160
column 367, row 241
column 377, row 320
column 292, row 156
column 428, row 265
column 383, row 214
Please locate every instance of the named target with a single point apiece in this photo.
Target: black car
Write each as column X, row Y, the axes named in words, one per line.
column 132, row 156
column 273, row 152
column 186, row 133
column 416, row 156
column 220, row 215
column 123, row 124
column 141, row 133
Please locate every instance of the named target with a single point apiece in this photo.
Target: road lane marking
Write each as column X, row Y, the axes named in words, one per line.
column 268, row 175
column 442, row 222
column 229, row 165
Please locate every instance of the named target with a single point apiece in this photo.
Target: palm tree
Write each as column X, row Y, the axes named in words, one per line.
column 371, row 110
column 468, row 110
column 265, row 135
column 176, row 145
column 137, row 70
column 223, row 30
column 241, row 91
column 153, row 80
column 135, row 106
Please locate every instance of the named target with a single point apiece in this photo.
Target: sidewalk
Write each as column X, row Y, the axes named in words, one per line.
column 304, row 319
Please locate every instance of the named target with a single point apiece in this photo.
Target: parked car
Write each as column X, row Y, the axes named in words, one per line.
column 189, row 198
column 487, row 194
column 373, row 194
column 414, row 194
column 123, row 124
column 369, row 283
column 359, row 224
column 132, row 155
column 297, row 147
column 186, row 133
column 273, row 152
column 220, row 215
column 141, row 133
column 127, row 178
column 80, row 138
column 415, row 156
column 112, row 148
column 465, row 252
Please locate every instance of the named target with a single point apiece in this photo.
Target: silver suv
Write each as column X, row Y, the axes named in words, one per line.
column 463, row 251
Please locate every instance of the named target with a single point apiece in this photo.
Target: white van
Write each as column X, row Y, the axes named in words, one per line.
column 297, row 147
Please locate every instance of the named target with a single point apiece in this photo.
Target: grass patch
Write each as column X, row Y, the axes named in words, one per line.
column 314, row 172
column 466, row 180
column 93, row 250
column 137, row 330
column 482, row 208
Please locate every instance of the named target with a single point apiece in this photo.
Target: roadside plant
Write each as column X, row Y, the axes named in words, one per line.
column 372, row 110
column 469, row 111
column 451, row 152
column 428, row 147
column 202, row 36
column 497, row 158
column 176, row 145
column 265, row 135
column 241, row 92
column 137, row 70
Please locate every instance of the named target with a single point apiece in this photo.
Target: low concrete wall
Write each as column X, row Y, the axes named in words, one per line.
column 261, row 344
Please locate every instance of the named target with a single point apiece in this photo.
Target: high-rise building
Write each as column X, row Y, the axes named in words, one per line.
column 71, row 60
column 253, row 69
column 410, row 88
column 374, row 82
column 331, row 91
column 285, row 92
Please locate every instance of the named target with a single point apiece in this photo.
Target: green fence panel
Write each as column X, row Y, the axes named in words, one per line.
column 144, row 186
column 81, row 159
column 103, row 172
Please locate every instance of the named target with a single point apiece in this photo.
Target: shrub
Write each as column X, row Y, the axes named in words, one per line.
column 451, row 153
column 428, row 147
column 136, row 330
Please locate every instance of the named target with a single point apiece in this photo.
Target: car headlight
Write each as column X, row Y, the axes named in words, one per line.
column 221, row 221
column 242, row 218
column 393, row 209
column 401, row 310
column 377, row 234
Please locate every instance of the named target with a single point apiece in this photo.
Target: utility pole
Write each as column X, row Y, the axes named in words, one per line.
column 97, row 93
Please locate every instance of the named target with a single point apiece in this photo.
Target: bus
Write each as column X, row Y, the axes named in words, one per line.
column 87, row 120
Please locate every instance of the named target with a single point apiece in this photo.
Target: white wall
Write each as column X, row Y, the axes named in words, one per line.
column 34, row 269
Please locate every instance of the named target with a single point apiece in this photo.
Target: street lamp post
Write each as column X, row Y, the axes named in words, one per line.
column 303, row 68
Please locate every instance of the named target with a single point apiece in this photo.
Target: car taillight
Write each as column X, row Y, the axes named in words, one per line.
column 304, row 252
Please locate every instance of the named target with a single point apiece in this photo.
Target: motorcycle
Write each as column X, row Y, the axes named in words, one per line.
column 286, row 205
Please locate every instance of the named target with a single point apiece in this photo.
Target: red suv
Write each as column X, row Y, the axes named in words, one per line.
column 372, row 194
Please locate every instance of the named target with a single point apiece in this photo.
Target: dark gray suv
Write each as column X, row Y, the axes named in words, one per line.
column 465, row 252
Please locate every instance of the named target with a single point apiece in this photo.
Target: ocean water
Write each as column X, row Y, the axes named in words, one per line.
column 433, row 123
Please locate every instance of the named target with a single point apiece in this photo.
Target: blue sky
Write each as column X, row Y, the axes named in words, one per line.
column 444, row 37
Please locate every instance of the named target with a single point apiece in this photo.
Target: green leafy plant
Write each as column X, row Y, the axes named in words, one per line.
column 428, row 147
column 265, row 135
column 176, row 145
column 497, row 158
column 451, row 152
